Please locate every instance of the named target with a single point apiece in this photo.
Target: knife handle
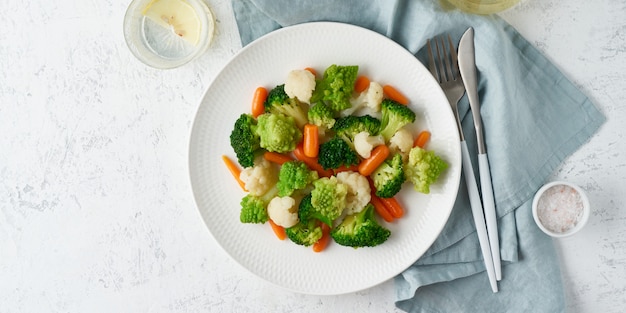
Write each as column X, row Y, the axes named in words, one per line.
column 490, row 211
column 479, row 218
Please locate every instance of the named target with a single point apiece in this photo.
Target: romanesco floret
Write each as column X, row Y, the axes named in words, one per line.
column 393, row 117
column 389, row 177
column 278, row 102
column 245, row 140
column 259, row 178
column 254, row 208
column 305, row 233
column 278, row 133
column 300, row 85
column 369, row 99
column 364, row 143
column 360, row 230
column 336, row 152
column 283, row 211
column 348, row 127
column 322, row 116
column 294, row 175
column 336, row 87
column 423, row 168
column 358, row 195
column 328, row 199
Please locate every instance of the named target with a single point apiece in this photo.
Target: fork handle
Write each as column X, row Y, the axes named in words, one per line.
column 479, row 218
column 490, row 211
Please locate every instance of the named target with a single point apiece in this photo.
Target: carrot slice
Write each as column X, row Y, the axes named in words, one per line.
column 258, row 101
column 279, row 231
column 378, row 156
column 312, row 70
column 421, row 139
column 361, row 83
column 310, row 140
column 321, row 243
column 235, row 170
column 395, row 95
column 381, row 208
column 393, row 206
column 276, row 157
column 311, row 162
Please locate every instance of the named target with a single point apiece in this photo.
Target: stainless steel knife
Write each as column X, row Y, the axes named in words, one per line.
column 467, row 67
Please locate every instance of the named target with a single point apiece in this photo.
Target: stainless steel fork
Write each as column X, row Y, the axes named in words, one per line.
column 444, row 67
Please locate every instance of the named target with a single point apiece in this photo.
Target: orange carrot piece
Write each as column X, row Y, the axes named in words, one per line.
column 421, row 139
column 312, row 70
column 235, row 170
column 258, row 101
column 276, row 157
column 361, row 83
column 311, row 162
column 279, row 231
column 321, row 244
column 310, row 142
column 393, row 94
column 378, row 156
column 393, row 206
column 381, row 208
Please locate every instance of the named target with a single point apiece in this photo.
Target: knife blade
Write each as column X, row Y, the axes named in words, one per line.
column 467, row 68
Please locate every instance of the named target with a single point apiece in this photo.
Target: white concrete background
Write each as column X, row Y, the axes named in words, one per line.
column 96, row 212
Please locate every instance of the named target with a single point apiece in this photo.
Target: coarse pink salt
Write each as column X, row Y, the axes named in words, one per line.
column 560, row 208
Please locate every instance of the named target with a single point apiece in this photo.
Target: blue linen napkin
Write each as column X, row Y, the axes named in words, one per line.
column 534, row 118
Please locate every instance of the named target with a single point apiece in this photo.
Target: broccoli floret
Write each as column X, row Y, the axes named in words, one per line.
column 389, row 177
column 336, row 152
column 328, row 199
column 278, row 102
column 322, row 116
column 245, row 140
column 278, row 133
column 423, row 168
column 305, row 233
column 394, row 116
column 360, row 230
column 336, row 87
column 348, row 127
column 254, row 208
column 306, row 209
column 294, row 175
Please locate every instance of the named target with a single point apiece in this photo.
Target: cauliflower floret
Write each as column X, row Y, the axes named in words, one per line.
column 369, row 98
column 364, row 143
column 300, row 84
column 401, row 141
column 358, row 191
column 259, row 178
column 283, row 211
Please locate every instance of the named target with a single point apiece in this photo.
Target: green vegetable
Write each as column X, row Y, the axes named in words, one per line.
column 423, row 168
column 322, row 116
column 394, row 116
column 254, row 208
column 336, row 86
column 278, row 102
column 294, row 175
column 244, row 140
column 389, row 177
column 278, row 133
column 336, row 152
column 328, row 199
column 347, row 127
column 360, row 230
column 305, row 233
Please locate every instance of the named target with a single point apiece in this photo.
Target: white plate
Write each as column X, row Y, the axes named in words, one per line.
column 266, row 62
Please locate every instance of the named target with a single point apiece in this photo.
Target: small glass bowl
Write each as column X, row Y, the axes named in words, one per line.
column 560, row 209
column 158, row 47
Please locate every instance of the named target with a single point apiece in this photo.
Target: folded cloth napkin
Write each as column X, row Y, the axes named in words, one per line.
column 533, row 118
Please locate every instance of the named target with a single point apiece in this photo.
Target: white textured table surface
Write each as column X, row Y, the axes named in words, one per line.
column 96, row 212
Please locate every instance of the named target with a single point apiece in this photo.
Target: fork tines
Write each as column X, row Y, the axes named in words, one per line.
column 447, row 59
